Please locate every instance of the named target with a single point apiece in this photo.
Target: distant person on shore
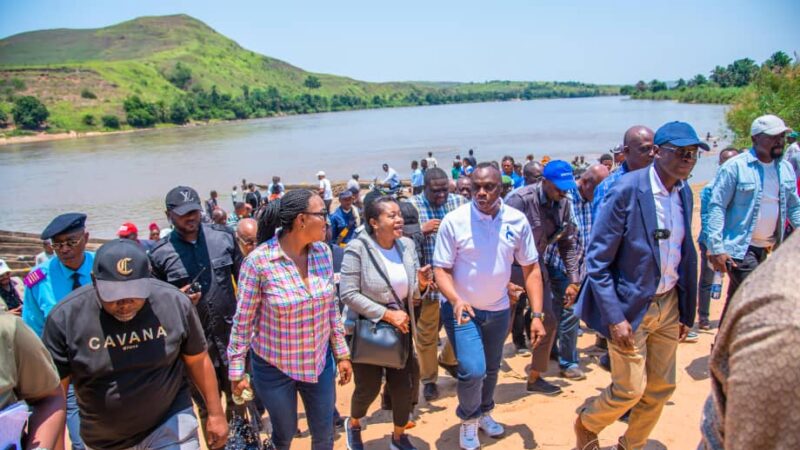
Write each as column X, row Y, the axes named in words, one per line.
column 219, row 216
column 706, row 269
column 607, row 160
column 235, row 195
column 466, row 167
column 129, row 231
column 391, row 180
column 246, row 231
column 641, row 287
column 508, row 170
column 417, row 178
column 432, row 161
column 46, row 254
column 353, row 184
column 433, row 204
column 324, row 190
column 239, row 213
column 128, row 343
column 276, row 187
column 12, row 291
column 753, row 196
column 471, row 159
column 211, row 203
column 532, row 172
column 48, row 284
column 529, row 158
column 464, row 187
column 253, row 197
column 155, row 231
column 423, row 165
column 476, row 314
column 755, row 361
column 343, row 221
column 619, row 155
column 455, row 171
column 549, row 214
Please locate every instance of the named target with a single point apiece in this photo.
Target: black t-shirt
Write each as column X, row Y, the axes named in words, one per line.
column 128, row 376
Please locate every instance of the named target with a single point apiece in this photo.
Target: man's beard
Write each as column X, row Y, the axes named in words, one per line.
column 776, row 152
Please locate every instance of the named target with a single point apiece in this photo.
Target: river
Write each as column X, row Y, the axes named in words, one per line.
column 121, row 177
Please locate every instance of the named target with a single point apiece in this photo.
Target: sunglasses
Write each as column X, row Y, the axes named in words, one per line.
column 685, row 153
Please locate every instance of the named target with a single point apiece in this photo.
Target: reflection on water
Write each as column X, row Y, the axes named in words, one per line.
column 123, row 177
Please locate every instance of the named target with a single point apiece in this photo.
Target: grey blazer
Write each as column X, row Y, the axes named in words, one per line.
column 362, row 289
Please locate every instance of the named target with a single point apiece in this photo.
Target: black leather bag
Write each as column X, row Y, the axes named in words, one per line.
column 381, row 343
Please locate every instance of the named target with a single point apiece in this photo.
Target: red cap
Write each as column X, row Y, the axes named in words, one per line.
column 126, row 229
column 153, row 226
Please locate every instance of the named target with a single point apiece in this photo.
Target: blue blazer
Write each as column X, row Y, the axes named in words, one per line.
column 623, row 263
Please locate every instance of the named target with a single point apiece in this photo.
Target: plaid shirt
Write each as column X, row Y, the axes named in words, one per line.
column 285, row 323
column 429, row 212
column 582, row 215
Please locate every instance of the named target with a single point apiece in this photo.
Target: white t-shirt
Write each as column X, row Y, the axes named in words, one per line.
column 352, row 183
column 769, row 210
column 480, row 250
column 326, row 185
column 395, row 271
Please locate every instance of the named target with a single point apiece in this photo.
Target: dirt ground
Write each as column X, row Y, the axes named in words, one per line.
column 534, row 421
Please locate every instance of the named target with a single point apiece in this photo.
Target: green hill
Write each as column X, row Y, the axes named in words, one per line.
column 178, row 61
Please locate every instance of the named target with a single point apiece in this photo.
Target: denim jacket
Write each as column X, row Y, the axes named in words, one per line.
column 736, row 199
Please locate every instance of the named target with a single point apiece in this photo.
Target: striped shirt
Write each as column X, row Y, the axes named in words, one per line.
column 428, row 212
column 582, row 215
column 289, row 325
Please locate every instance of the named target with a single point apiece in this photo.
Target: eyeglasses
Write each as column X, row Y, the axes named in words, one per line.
column 70, row 243
column 247, row 242
column 686, row 153
column 322, row 214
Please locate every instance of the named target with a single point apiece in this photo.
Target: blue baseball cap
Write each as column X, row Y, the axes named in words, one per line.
column 679, row 134
column 559, row 172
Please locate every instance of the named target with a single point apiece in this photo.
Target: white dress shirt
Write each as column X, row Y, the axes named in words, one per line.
column 669, row 214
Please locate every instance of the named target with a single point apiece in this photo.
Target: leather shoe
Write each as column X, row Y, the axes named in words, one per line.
column 542, row 387
column 585, row 439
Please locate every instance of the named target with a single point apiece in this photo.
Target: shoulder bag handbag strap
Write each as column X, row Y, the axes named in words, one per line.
column 383, row 275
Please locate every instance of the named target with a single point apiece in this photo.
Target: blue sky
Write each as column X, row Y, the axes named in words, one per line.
column 593, row 41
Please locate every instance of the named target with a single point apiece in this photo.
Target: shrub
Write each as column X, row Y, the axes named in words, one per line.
column 86, row 93
column 110, row 121
column 312, row 82
column 3, row 118
column 29, row 113
column 89, row 120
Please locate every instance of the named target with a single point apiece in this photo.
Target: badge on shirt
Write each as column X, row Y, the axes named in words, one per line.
column 509, row 234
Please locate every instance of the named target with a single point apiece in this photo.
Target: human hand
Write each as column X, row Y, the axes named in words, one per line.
column 16, row 311
column 194, row 298
column 431, row 226
column 622, row 334
column 239, row 386
column 216, row 430
column 397, row 318
column 425, row 276
column 683, row 331
column 345, row 371
column 537, row 332
column 720, row 262
column 514, row 293
column 571, row 295
column 463, row 312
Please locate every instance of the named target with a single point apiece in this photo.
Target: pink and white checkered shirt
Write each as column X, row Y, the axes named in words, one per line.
column 285, row 323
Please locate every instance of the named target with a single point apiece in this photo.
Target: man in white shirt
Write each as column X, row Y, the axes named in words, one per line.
column 47, row 254
column 392, row 180
column 475, row 247
column 325, row 190
column 432, row 161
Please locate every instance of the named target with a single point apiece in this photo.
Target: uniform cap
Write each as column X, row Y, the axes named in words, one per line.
column 121, row 270
column 65, row 223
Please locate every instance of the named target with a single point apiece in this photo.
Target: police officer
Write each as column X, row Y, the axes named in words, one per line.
column 196, row 252
column 48, row 283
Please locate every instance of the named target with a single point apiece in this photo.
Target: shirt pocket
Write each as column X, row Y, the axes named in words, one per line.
column 745, row 192
column 176, row 275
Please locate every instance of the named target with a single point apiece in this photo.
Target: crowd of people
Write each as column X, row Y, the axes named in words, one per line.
column 286, row 297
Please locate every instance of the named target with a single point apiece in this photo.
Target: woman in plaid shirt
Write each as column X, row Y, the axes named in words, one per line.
column 288, row 320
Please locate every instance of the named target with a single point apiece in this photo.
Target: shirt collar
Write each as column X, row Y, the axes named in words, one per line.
column 485, row 217
column 658, row 187
column 84, row 269
column 273, row 250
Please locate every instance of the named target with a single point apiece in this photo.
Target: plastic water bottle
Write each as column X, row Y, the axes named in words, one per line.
column 716, row 286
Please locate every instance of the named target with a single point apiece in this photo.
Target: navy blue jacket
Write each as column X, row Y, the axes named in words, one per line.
column 623, row 263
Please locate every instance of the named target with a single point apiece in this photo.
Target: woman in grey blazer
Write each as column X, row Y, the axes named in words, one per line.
column 365, row 293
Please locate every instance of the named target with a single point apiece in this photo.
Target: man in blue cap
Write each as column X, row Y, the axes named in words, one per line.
column 641, row 287
column 48, row 283
column 549, row 214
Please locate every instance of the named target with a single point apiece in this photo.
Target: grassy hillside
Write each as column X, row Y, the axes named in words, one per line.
column 176, row 62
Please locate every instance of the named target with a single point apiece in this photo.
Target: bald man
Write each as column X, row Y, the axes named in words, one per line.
column 246, row 235
column 580, row 200
column 219, row 216
column 638, row 148
column 532, row 172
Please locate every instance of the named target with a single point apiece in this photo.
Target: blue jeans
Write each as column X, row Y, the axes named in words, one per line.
column 74, row 420
column 279, row 393
column 705, row 282
column 478, row 345
column 568, row 323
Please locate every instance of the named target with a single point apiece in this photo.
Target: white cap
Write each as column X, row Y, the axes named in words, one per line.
column 320, row 173
column 4, row 269
column 768, row 124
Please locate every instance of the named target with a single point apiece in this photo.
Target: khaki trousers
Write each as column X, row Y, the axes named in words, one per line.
column 427, row 343
column 642, row 379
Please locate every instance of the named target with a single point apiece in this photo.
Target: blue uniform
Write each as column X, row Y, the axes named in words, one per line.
column 43, row 295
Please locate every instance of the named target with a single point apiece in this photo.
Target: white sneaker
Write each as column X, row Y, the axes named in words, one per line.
column 489, row 426
column 468, row 436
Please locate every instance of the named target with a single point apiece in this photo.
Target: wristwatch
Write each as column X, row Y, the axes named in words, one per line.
column 535, row 315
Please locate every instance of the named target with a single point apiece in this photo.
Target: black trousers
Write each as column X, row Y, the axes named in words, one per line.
column 751, row 260
column 521, row 326
column 400, row 387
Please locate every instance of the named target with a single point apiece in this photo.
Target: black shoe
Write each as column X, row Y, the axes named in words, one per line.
column 430, row 391
column 401, row 444
column 352, row 436
column 338, row 423
column 451, row 370
column 605, row 362
column 543, row 387
column 601, row 343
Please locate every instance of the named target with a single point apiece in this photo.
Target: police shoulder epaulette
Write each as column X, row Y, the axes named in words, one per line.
column 34, row 277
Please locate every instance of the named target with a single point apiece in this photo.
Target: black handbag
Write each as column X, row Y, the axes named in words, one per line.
column 380, row 343
column 243, row 431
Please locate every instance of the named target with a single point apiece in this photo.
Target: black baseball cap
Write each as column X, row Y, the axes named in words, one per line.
column 183, row 200
column 121, row 270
